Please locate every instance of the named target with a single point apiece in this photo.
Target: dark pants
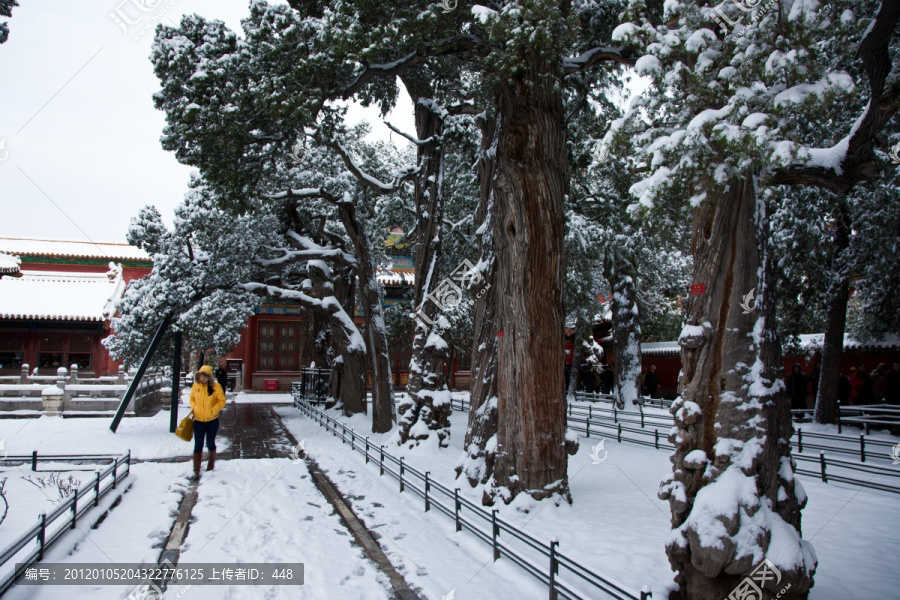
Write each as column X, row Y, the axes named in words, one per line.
column 206, row 429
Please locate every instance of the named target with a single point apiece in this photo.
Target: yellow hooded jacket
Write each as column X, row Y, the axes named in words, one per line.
column 206, row 407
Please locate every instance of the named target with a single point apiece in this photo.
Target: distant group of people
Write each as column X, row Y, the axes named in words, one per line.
column 856, row 388
column 599, row 377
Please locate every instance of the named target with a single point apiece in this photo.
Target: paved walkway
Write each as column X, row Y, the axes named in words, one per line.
column 255, row 431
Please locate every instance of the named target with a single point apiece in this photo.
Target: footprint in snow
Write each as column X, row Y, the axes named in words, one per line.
column 421, row 571
column 308, row 519
column 399, row 536
column 339, row 532
column 314, row 504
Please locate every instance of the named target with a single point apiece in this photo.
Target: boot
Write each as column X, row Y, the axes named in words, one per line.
column 212, row 460
column 198, row 458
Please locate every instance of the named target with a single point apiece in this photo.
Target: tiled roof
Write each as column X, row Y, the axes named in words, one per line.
column 61, row 296
column 25, row 246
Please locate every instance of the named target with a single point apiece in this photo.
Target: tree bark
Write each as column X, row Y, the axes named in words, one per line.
column 732, row 490
column 836, row 319
column 525, row 202
column 428, row 402
column 478, row 462
column 626, row 336
column 376, row 335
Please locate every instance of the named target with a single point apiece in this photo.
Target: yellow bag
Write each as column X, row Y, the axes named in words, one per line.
column 185, row 429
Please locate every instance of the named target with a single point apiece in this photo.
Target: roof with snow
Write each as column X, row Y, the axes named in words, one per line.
column 26, row 246
column 808, row 342
column 61, row 296
column 9, row 265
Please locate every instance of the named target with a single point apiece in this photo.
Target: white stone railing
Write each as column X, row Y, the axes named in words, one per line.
column 67, row 392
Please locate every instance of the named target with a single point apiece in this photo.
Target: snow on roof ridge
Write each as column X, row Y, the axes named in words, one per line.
column 40, row 246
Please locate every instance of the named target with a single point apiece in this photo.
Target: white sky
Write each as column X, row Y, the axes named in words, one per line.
column 82, row 136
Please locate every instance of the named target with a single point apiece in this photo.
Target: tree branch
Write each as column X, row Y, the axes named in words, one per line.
column 582, row 62
column 859, row 162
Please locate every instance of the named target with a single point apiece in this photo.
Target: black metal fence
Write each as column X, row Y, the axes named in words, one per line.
column 29, row 547
column 542, row 560
column 648, row 429
column 313, row 385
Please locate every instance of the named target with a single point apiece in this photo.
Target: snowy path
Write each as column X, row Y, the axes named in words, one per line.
column 267, row 510
column 616, row 526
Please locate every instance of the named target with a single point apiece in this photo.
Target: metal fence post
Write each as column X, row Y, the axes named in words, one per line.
column 554, row 569
column 620, row 433
column 74, row 509
column 381, row 467
column 42, row 536
column 128, row 463
column 656, row 438
column 367, row 449
column 587, row 426
column 34, row 460
column 457, row 505
column 800, row 440
column 97, row 489
column 822, row 463
column 590, row 412
column 115, row 471
column 427, row 487
column 862, row 448
column 401, row 474
column 495, row 531
column 641, row 408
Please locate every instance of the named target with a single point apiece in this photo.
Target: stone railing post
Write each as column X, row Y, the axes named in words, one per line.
column 53, row 399
column 24, row 376
column 62, row 376
column 121, row 375
column 73, row 374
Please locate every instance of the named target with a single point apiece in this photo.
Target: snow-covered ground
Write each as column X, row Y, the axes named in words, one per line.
column 133, row 532
column 268, row 510
column 616, row 526
column 146, row 437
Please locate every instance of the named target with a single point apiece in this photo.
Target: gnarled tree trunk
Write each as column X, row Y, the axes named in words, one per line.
column 426, row 410
column 376, row 334
column 524, row 226
column 733, row 495
column 626, row 336
column 478, row 462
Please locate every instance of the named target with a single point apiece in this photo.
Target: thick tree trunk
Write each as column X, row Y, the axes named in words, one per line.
column 426, row 410
column 733, row 495
column 525, row 202
column 348, row 370
column 376, row 335
column 626, row 337
column 836, row 319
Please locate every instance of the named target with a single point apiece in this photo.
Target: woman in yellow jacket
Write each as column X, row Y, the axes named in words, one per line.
column 207, row 400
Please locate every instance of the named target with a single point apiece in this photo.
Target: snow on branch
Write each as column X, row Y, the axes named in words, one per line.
column 586, row 60
column 412, row 138
column 371, row 182
column 853, row 158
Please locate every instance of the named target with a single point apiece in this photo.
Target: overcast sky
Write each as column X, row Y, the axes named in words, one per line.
column 81, row 135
